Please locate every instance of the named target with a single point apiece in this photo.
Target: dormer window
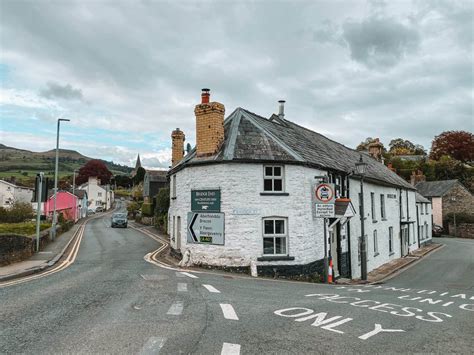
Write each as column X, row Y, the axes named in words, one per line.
column 273, row 178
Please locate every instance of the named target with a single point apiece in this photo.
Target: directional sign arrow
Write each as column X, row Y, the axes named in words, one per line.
column 191, row 227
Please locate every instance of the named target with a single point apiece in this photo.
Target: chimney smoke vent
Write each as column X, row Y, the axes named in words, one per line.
column 205, row 96
column 281, row 109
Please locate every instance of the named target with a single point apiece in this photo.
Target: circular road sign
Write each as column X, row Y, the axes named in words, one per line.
column 324, row 193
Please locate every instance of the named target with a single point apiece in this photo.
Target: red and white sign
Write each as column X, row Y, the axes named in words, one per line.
column 324, row 193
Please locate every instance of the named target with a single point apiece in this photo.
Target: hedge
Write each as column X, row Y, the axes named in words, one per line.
column 26, row 228
column 460, row 217
column 147, row 209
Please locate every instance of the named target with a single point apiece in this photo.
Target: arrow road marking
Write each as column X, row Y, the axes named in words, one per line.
column 176, row 309
column 229, row 312
column 230, row 349
column 211, row 289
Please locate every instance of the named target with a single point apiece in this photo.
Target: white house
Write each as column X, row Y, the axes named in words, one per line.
column 97, row 195
column 257, row 176
column 10, row 193
column 424, row 219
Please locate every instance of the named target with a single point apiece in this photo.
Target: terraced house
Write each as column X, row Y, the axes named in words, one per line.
column 257, row 177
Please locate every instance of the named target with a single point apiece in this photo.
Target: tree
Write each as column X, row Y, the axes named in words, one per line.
column 458, row 145
column 400, row 146
column 123, row 181
column 94, row 168
column 139, row 176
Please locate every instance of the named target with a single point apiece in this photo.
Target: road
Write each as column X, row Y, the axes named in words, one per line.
column 110, row 300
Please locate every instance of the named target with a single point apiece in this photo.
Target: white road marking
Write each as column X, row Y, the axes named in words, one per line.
column 230, row 349
column 176, row 309
column 378, row 329
column 211, row 289
column 178, row 274
column 229, row 312
column 182, row 287
column 153, row 346
column 189, row 275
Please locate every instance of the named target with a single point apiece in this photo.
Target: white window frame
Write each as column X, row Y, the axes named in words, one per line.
column 173, row 186
column 272, row 177
column 376, row 243
column 274, row 235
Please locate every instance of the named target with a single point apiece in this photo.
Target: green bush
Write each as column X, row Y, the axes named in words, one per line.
column 26, row 228
column 147, row 209
column 161, row 222
column 19, row 212
column 460, row 218
column 162, row 201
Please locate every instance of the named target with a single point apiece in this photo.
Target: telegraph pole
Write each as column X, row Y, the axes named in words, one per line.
column 39, row 198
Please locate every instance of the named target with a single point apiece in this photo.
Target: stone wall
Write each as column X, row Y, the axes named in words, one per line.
column 16, row 247
column 463, row 203
column 463, row 230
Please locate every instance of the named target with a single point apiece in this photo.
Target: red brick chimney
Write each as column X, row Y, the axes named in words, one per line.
column 375, row 149
column 417, row 177
column 209, row 125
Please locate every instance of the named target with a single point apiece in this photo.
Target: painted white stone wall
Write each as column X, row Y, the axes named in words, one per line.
column 10, row 193
column 425, row 221
column 381, row 226
column 244, row 208
column 97, row 195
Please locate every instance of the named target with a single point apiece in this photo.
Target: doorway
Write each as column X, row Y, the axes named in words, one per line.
column 404, row 240
column 178, row 233
column 334, row 254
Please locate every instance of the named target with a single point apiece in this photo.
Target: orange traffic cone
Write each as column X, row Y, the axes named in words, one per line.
column 330, row 272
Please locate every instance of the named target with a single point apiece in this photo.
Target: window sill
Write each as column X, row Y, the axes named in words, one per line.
column 384, row 219
column 274, row 194
column 276, row 258
column 392, row 253
column 173, row 198
column 374, row 221
column 376, row 254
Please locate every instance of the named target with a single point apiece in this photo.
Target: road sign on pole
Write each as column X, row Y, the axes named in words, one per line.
column 206, row 228
column 324, row 196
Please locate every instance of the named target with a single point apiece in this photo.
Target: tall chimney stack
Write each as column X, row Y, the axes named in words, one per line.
column 209, row 125
column 281, row 109
column 177, row 147
column 376, row 149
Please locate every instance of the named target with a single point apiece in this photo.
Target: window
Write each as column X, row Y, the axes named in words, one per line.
column 99, row 194
column 376, row 244
column 382, row 206
column 98, row 203
column 426, row 230
column 421, row 232
column 274, row 236
column 402, row 215
column 273, row 178
column 426, row 208
column 173, row 187
column 390, row 240
column 372, row 205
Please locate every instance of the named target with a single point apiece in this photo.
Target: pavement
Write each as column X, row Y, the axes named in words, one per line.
column 38, row 262
column 112, row 298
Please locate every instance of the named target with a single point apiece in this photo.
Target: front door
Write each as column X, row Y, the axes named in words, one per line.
column 178, row 233
column 335, row 259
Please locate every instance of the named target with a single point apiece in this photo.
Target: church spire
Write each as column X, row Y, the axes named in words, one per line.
column 138, row 164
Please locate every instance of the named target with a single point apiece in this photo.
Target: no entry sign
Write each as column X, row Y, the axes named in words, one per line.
column 324, row 193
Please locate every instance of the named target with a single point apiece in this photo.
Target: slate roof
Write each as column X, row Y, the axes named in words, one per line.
column 249, row 137
column 157, row 175
column 80, row 193
column 435, row 188
column 420, row 199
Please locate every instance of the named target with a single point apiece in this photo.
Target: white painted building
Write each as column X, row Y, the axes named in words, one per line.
column 266, row 171
column 97, row 195
column 424, row 219
column 10, row 193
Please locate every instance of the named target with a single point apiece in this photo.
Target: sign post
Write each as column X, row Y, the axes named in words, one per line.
column 39, row 199
column 324, row 195
column 206, row 228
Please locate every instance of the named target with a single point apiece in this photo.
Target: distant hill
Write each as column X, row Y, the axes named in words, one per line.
column 23, row 165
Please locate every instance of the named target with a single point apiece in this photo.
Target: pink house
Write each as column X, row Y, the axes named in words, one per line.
column 67, row 204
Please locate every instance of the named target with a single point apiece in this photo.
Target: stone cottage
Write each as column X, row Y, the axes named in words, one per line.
column 248, row 188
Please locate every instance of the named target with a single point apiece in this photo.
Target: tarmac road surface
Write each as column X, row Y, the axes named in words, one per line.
column 110, row 300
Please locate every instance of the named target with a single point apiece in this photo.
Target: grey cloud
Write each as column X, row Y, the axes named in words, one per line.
column 155, row 163
column 66, row 92
column 380, row 42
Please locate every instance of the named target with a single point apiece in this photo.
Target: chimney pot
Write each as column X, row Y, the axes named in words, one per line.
column 205, row 96
column 281, row 109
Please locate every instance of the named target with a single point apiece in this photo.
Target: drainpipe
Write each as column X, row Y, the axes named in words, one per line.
column 418, row 224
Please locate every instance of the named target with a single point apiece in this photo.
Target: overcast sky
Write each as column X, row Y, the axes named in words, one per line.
column 128, row 72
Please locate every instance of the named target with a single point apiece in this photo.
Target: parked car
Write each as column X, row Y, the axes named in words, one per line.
column 437, row 230
column 119, row 220
column 99, row 209
column 90, row 211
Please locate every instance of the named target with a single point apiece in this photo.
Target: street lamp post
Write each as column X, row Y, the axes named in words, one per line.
column 361, row 168
column 53, row 235
column 453, row 199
